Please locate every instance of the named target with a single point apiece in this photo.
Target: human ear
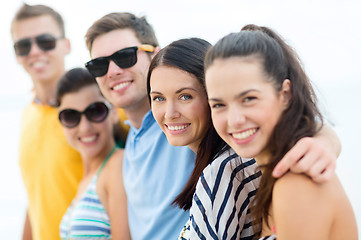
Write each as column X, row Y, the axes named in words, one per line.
column 156, row 50
column 286, row 92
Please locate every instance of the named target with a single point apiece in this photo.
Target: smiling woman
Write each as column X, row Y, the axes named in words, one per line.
column 263, row 103
column 98, row 210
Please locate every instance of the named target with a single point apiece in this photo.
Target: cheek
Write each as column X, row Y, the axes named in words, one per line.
column 70, row 136
column 158, row 112
column 219, row 123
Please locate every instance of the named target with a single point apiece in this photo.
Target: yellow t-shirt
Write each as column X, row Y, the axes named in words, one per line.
column 50, row 168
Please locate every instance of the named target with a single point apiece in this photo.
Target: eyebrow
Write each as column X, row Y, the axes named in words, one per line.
column 236, row 97
column 178, row 91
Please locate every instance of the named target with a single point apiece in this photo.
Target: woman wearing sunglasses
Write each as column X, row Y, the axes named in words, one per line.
column 262, row 103
column 222, row 184
column 91, row 125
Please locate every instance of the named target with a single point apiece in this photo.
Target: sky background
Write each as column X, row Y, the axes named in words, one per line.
column 326, row 35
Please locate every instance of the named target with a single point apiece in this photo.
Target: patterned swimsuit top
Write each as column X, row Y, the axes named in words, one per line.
column 87, row 218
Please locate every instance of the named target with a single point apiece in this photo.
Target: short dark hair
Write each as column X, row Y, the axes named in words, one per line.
column 30, row 11
column 121, row 20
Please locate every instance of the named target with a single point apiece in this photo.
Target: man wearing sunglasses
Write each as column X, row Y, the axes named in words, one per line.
column 121, row 46
column 50, row 168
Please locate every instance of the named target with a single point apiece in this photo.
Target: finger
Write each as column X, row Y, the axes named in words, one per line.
column 306, row 163
column 317, row 168
column 291, row 158
column 326, row 174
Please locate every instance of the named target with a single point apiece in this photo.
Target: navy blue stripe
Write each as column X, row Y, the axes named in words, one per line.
column 90, row 228
column 206, row 186
column 205, row 218
column 227, row 196
column 91, row 200
column 219, row 175
column 229, row 189
column 196, row 228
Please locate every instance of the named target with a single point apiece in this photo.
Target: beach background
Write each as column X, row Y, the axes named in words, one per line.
column 326, row 35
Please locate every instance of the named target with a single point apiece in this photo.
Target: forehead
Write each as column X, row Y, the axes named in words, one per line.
column 82, row 98
column 165, row 77
column 112, row 41
column 233, row 74
column 35, row 26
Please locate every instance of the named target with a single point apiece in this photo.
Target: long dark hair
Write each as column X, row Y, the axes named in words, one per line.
column 301, row 118
column 188, row 55
column 76, row 79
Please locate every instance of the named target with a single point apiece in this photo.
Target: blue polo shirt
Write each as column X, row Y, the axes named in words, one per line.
column 154, row 174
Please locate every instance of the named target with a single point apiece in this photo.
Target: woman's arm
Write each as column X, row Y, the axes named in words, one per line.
column 314, row 156
column 116, row 200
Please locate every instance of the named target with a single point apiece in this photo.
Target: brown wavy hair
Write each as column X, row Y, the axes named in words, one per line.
column 301, row 118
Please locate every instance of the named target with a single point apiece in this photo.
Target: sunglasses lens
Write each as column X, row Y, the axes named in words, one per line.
column 69, row 118
column 22, row 47
column 46, row 42
column 98, row 67
column 96, row 112
column 126, row 58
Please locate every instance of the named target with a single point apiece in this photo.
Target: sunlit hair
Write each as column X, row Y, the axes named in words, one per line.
column 73, row 81
column 31, row 11
column 188, row 55
column 301, row 118
column 121, row 20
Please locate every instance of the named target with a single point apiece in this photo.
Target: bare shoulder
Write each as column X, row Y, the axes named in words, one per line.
column 112, row 172
column 116, row 160
column 297, row 192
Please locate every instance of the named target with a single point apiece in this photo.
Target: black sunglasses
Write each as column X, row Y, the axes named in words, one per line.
column 45, row 42
column 96, row 112
column 124, row 58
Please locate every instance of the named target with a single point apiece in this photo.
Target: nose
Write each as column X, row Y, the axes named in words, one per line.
column 84, row 124
column 171, row 111
column 236, row 116
column 114, row 69
column 34, row 49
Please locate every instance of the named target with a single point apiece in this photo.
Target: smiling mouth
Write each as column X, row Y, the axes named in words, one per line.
column 121, row 85
column 245, row 134
column 88, row 139
column 177, row 127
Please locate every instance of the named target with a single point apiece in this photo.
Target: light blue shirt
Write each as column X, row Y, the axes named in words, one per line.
column 154, row 174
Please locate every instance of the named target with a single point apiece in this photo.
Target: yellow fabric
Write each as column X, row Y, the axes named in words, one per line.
column 50, row 168
column 122, row 118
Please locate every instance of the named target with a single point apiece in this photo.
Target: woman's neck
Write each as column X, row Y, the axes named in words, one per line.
column 92, row 163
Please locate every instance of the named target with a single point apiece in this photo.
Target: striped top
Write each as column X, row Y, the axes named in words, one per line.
column 220, row 206
column 87, row 218
column 270, row 237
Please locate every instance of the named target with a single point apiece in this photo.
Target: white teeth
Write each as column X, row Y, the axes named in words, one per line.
column 38, row 64
column 88, row 139
column 175, row 128
column 121, row 85
column 245, row 134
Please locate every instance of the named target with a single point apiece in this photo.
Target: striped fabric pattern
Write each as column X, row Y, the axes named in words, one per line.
column 220, row 207
column 271, row 237
column 87, row 219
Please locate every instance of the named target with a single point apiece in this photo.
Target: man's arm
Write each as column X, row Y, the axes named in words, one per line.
column 315, row 156
column 27, row 233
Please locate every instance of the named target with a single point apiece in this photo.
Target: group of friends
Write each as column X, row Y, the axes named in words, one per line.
column 189, row 141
